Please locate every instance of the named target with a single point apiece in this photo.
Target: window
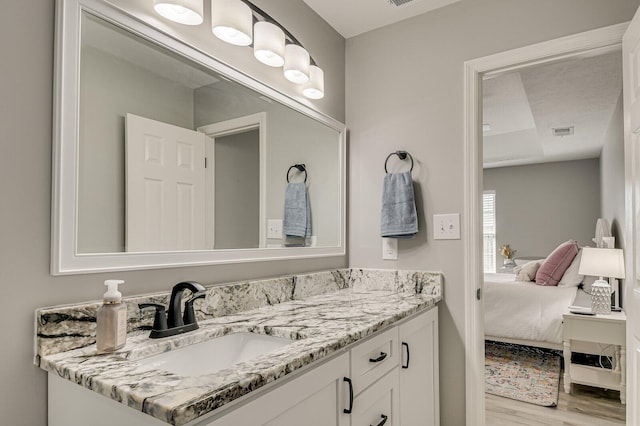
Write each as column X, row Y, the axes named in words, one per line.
column 489, row 230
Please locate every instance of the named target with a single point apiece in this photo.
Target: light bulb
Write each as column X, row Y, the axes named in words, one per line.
column 187, row 12
column 296, row 64
column 314, row 89
column 232, row 21
column 268, row 44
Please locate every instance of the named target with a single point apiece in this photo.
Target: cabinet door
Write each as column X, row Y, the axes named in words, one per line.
column 317, row 398
column 379, row 404
column 419, row 388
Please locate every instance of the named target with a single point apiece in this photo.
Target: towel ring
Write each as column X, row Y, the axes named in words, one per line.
column 401, row 155
column 301, row 168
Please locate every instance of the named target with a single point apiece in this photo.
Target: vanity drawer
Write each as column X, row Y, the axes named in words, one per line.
column 379, row 404
column 373, row 359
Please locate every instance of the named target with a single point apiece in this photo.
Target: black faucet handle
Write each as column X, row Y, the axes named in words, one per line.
column 160, row 319
column 189, row 316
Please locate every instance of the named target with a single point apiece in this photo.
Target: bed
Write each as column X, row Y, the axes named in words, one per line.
column 523, row 312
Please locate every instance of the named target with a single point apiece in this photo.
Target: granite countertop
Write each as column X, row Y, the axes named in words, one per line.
column 320, row 325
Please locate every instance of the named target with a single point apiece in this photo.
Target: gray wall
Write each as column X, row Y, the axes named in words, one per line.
column 111, row 88
column 539, row 206
column 612, row 176
column 26, row 87
column 405, row 90
column 291, row 138
column 237, row 191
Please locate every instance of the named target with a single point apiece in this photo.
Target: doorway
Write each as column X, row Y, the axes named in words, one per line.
column 597, row 41
column 236, row 152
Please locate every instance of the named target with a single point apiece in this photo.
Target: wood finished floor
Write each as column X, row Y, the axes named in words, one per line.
column 585, row 406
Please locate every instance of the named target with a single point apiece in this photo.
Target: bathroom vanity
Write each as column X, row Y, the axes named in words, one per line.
column 360, row 355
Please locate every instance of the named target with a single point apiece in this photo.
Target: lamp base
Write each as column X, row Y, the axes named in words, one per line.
column 601, row 297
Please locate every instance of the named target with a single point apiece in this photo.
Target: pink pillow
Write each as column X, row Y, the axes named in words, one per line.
column 555, row 265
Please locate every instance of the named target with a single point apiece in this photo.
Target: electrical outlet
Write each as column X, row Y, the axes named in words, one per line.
column 274, row 228
column 446, row 226
column 389, row 248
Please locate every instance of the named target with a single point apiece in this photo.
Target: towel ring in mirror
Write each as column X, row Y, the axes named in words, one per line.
column 301, row 168
column 401, row 155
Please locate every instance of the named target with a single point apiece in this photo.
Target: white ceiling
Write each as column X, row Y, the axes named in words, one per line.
column 523, row 107
column 353, row 17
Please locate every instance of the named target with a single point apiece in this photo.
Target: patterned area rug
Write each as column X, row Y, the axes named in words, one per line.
column 523, row 373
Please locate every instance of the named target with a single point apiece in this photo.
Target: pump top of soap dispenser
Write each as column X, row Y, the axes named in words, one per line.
column 113, row 295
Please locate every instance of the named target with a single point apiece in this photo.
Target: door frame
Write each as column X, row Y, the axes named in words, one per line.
column 226, row 128
column 595, row 41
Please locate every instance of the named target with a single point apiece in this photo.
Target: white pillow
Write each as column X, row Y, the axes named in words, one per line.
column 571, row 278
column 527, row 272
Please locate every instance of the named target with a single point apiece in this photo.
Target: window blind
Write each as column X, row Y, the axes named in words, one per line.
column 489, row 230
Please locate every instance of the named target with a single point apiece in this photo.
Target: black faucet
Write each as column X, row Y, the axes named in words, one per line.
column 174, row 316
column 173, row 322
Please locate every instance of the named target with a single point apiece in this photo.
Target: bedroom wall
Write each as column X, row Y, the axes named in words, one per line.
column 26, row 87
column 405, row 91
column 612, row 176
column 539, row 206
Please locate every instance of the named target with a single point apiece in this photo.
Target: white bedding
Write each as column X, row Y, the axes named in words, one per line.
column 524, row 310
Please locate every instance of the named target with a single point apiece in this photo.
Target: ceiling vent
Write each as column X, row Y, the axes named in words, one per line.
column 399, row 2
column 562, row 131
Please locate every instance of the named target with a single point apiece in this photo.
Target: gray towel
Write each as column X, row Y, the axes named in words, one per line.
column 297, row 211
column 399, row 218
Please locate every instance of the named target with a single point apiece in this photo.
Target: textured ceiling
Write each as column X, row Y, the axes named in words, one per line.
column 523, row 107
column 353, row 17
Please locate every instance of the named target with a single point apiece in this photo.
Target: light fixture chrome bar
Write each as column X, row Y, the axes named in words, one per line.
column 261, row 15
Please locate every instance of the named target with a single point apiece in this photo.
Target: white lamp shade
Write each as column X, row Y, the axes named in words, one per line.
column 268, row 44
column 296, row 64
column 187, row 12
column 314, row 89
column 232, row 21
column 602, row 262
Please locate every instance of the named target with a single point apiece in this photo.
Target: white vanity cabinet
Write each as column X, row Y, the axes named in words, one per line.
column 419, row 378
column 390, row 378
column 312, row 399
column 394, row 379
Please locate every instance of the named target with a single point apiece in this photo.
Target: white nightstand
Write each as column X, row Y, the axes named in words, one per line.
column 603, row 330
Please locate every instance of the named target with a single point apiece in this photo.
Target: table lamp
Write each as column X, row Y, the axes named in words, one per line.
column 601, row 262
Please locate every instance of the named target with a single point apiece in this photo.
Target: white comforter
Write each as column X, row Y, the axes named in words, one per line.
column 524, row 310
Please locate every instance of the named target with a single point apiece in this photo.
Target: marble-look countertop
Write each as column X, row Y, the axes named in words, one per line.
column 320, row 326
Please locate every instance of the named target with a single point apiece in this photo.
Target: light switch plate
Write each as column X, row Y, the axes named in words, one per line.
column 446, row 226
column 389, row 248
column 274, row 228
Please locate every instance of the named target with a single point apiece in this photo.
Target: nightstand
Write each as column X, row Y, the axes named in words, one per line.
column 507, row 268
column 592, row 334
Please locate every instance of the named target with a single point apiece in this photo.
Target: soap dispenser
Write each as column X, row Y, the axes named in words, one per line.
column 111, row 332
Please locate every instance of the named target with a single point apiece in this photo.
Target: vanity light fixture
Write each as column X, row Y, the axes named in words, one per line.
column 314, row 89
column 268, row 43
column 187, row 12
column 232, row 21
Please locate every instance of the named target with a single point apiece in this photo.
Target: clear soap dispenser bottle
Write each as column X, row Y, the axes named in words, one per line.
column 111, row 332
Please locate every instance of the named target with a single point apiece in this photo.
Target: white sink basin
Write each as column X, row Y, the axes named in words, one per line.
column 214, row 355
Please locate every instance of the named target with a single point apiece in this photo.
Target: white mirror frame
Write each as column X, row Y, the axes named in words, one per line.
column 65, row 258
